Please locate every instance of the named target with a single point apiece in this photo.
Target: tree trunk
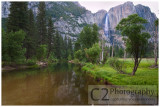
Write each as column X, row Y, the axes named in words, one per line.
column 102, row 50
column 112, row 48
column 155, row 47
column 135, row 66
column 124, row 54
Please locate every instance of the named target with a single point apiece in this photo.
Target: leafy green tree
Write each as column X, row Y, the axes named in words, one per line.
column 93, row 53
column 41, row 52
column 136, row 41
column 51, row 32
column 118, row 51
column 5, row 56
column 13, row 49
column 121, row 52
column 95, row 34
column 18, row 17
column 88, row 36
column 41, row 23
column 31, row 37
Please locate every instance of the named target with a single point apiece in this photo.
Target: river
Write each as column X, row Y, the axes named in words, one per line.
column 57, row 84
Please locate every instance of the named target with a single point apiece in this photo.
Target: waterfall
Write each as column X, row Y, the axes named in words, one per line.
column 106, row 27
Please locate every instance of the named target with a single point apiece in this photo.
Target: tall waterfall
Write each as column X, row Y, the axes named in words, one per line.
column 106, row 27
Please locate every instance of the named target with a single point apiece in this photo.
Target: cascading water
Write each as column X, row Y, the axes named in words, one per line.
column 106, row 27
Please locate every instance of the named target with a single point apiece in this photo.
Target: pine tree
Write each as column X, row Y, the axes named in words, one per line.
column 65, row 47
column 18, row 17
column 30, row 40
column 57, row 46
column 41, row 23
column 50, row 36
column 70, row 47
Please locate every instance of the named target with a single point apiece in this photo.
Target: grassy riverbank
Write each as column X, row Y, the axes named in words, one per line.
column 145, row 75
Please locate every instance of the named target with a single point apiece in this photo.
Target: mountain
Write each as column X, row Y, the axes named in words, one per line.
column 122, row 11
column 70, row 17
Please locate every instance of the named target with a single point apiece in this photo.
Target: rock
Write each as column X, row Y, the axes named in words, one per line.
column 40, row 63
column 119, row 12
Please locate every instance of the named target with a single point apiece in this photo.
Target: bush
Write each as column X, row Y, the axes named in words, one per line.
column 76, row 61
column 92, row 53
column 116, row 64
column 31, row 62
column 79, row 55
column 52, row 58
column 89, row 65
column 41, row 52
column 69, row 57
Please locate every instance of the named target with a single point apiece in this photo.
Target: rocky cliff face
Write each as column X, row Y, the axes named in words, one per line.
column 119, row 12
column 122, row 11
column 5, row 9
column 66, row 21
column 70, row 17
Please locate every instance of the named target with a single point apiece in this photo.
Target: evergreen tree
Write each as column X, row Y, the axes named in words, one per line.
column 65, row 47
column 70, row 49
column 50, row 38
column 62, row 49
column 57, row 46
column 18, row 17
column 77, row 46
column 30, row 39
column 41, row 23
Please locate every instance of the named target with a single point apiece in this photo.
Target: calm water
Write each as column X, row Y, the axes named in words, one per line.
column 60, row 84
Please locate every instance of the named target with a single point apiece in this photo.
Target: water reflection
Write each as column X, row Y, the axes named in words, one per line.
column 57, row 84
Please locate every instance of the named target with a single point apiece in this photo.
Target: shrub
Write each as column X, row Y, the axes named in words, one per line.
column 116, row 64
column 52, row 58
column 31, row 62
column 41, row 52
column 69, row 57
column 79, row 55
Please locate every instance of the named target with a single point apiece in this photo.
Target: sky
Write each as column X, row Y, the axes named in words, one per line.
column 94, row 6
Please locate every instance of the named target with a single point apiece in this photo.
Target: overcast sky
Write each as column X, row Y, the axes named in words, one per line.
column 94, row 6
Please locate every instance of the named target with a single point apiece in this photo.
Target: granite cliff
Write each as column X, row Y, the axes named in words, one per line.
column 70, row 17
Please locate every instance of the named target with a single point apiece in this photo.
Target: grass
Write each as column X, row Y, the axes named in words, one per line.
column 143, row 76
